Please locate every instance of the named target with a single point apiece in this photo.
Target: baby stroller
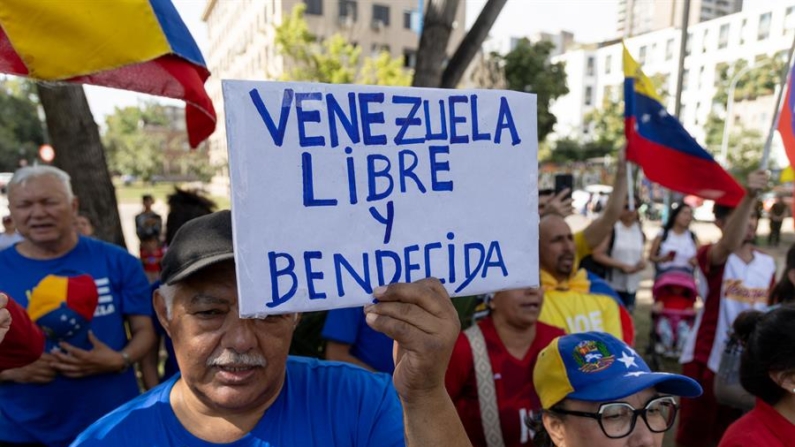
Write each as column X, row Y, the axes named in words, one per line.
column 672, row 315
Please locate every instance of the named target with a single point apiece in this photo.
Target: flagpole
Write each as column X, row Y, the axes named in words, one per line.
column 630, row 189
column 680, row 76
column 777, row 112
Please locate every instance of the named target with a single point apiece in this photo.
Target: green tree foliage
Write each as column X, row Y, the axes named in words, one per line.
column 333, row 60
column 759, row 81
column 567, row 150
column 21, row 130
column 608, row 124
column 745, row 145
column 608, row 120
column 385, row 70
column 130, row 150
column 528, row 69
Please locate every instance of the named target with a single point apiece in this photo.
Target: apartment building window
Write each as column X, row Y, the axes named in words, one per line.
column 789, row 20
column 642, row 55
column 314, row 7
column 349, row 10
column 409, row 58
column 723, row 36
column 689, row 44
column 743, row 27
column 669, row 49
column 407, row 19
column 607, row 93
column 701, row 77
column 685, row 79
column 721, row 68
column 588, row 95
column 764, row 26
column 704, row 41
column 608, row 63
column 376, row 49
column 380, row 15
column 590, row 66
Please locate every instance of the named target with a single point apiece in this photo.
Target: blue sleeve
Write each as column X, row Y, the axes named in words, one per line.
column 387, row 422
column 136, row 293
column 342, row 325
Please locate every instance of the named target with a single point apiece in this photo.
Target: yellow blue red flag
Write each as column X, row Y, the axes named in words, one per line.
column 139, row 45
column 668, row 154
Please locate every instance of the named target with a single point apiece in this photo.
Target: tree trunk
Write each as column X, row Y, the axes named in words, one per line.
column 432, row 52
column 471, row 44
column 78, row 150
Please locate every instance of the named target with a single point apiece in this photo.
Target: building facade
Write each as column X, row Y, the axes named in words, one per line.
column 595, row 73
column 643, row 16
column 242, row 43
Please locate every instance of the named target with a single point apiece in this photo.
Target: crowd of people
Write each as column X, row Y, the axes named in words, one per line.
column 547, row 366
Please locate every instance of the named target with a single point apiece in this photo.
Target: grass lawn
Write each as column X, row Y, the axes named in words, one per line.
column 160, row 191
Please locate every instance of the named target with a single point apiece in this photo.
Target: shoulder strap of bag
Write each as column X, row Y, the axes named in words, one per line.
column 487, row 394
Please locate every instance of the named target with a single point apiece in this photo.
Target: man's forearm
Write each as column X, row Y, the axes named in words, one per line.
column 599, row 229
column 737, row 224
column 433, row 421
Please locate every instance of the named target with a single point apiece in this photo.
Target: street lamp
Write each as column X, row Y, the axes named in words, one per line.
column 724, row 144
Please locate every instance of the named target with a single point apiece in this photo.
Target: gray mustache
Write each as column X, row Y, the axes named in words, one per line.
column 228, row 358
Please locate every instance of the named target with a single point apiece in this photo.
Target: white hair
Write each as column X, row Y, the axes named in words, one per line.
column 168, row 292
column 22, row 175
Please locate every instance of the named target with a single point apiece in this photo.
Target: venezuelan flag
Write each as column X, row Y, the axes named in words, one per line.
column 139, row 45
column 786, row 123
column 662, row 147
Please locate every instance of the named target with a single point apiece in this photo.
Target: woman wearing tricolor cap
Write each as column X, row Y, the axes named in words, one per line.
column 596, row 391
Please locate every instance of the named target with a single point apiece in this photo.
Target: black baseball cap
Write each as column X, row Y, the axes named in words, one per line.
column 200, row 243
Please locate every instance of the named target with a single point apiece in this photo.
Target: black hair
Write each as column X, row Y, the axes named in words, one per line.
column 675, row 210
column 184, row 206
column 147, row 197
column 541, row 437
column 784, row 291
column 769, row 346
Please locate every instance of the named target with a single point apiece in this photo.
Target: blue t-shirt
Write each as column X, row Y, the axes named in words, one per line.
column 54, row 413
column 349, row 327
column 321, row 403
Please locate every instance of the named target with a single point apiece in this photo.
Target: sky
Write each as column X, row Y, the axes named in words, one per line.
column 594, row 20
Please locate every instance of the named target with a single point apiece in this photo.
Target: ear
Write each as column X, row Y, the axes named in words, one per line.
column 75, row 205
column 159, row 303
column 555, row 428
column 784, row 379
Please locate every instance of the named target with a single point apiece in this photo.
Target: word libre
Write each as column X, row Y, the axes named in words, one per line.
column 338, row 189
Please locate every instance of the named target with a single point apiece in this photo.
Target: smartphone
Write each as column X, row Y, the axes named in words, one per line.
column 564, row 181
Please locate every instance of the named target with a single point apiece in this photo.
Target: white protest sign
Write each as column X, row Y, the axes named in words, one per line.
column 337, row 189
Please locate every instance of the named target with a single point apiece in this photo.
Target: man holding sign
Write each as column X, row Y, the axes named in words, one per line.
column 238, row 384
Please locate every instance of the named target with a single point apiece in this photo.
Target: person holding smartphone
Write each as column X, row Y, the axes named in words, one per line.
column 675, row 247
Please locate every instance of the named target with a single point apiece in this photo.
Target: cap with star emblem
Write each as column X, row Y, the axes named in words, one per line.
column 597, row 367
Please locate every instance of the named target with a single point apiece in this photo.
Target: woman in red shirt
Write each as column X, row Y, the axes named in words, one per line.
column 492, row 368
column 768, row 372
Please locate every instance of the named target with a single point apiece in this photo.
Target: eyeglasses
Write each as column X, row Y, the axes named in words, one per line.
column 617, row 419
